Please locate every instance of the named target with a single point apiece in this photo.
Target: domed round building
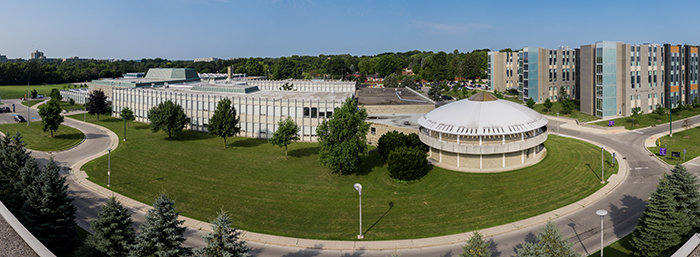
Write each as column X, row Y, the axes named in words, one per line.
column 484, row 134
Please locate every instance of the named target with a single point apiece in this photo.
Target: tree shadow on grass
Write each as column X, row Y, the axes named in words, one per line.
column 187, row 135
column 69, row 136
column 248, row 142
column 391, row 205
column 367, row 164
column 303, row 152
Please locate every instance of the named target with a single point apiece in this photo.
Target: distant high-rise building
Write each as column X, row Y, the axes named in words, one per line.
column 3, row 59
column 206, row 59
column 36, row 55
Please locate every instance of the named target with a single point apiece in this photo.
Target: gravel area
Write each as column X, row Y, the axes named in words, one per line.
column 11, row 244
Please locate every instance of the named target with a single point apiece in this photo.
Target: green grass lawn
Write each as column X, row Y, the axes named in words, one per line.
column 556, row 107
column 682, row 139
column 16, row 92
column 264, row 193
column 32, row 102
column 36, row 139
column 621, row 248
column 649, row 119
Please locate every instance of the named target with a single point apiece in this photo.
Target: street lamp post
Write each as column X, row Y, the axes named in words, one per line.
column 109, row 167
column 602, row 165
column 670, row 118
column 29, row 116
column 601, row 213
column 358, row 187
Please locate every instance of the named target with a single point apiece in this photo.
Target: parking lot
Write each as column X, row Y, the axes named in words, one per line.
column 19, row 109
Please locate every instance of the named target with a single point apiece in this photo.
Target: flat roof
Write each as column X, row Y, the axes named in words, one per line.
column 403, row 120
column 277, row 95
column 388, row 96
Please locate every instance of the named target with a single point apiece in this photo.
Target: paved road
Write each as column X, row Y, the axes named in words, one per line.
column 625, row 204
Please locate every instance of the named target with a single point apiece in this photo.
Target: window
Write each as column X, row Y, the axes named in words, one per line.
column 373, row 130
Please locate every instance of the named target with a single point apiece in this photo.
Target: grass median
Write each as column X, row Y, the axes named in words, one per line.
column 649, row 119
column 36, row 139
column 264, row 193
column 687, row 139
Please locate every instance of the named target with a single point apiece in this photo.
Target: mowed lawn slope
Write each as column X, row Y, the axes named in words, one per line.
column 36, row 139
column 264, row 193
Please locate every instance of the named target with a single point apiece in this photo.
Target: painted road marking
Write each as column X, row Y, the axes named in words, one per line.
column 694, row 164
column 637, row 132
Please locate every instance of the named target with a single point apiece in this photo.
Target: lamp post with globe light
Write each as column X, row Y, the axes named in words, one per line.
column 601, row 213
column 358, row 187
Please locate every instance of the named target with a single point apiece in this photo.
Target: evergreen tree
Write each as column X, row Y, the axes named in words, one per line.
column 48, row 212
column 223, row 241
column 661, row 225
column 550, row 244
column 476, row 247
column 224, row 122
column 286, row 133
column 686, row 194
column 548, row 105
column 343, row 138
column 13, row 156
column 391, row 81
column 51, row 116
column 161, row 233
column 530, row 103
column 114, row 233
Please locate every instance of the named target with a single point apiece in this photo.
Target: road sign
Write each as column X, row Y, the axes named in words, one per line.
column 675, row 154
column 662, row 151
column 611, row 123
column 613, row 162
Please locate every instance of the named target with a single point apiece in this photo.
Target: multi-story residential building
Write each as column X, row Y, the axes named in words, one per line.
column 3, row 59
column 542, row 73
column 681, row 85
column 36, row 55
column 616, row 78
column 503, row 70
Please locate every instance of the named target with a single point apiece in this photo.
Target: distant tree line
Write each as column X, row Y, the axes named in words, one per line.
column 425, row 65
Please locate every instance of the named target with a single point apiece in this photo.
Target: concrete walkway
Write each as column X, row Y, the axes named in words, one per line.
column 81, row 177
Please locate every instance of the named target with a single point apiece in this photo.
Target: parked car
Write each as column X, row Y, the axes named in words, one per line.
column 2, row 109
column 447, row 97
column 7, row 109
column 19, row 118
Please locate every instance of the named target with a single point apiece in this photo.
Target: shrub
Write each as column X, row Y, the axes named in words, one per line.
column 71, row 101
column 407, row 164
column 394, row 139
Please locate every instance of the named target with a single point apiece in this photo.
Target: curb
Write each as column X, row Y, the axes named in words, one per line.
column 613, row 182
column 33, row 243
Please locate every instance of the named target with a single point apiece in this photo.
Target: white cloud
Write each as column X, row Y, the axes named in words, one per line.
column 458, row 28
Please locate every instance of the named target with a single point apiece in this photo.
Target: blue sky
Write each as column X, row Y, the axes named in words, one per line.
column 188, row 29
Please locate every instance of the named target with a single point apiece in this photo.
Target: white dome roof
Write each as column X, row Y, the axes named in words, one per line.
column 482, row 115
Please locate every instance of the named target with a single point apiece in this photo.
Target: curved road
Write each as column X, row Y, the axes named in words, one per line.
column 625, row 204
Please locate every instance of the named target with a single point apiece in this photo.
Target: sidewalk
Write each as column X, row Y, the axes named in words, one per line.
column 613, row 182
column 569, row 123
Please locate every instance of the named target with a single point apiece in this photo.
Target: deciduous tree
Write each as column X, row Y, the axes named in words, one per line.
column 343, row 138
column 167, row 116
column 391, row 81
column 97, row 103
column 56, row 94
column 161, row 234
column 223, row 241
column 286, row 133
column 224, row 122
column 127, row 115
column 51, row 117
column 548, row 105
